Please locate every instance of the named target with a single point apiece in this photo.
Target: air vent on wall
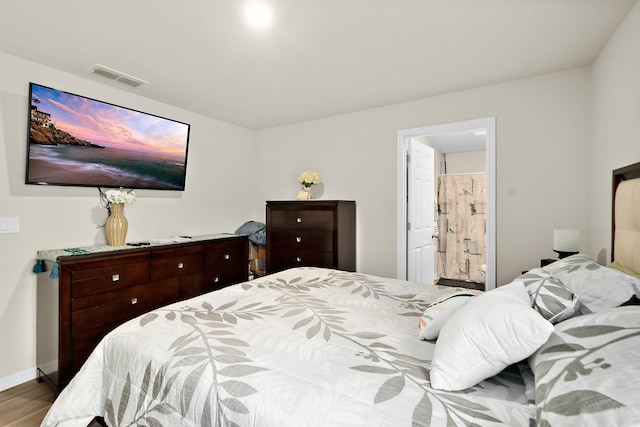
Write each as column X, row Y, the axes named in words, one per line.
column 116, row 75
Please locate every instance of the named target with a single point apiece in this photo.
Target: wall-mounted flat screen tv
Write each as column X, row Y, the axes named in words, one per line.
column 79, row 141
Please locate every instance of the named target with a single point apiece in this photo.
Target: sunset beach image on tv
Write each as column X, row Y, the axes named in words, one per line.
column 75, row 140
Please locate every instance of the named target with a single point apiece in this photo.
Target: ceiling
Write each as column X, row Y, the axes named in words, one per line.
column 320, row 58
column 459, row 141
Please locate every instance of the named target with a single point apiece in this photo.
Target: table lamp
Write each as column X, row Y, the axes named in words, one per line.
column 565, row 242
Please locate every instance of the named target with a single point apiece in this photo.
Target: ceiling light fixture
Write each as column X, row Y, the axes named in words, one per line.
column 258, row 14
column 116, row 75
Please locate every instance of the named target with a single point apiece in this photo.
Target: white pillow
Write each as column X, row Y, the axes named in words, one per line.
column 440, row 310
column 598, row 287
column 491, row 332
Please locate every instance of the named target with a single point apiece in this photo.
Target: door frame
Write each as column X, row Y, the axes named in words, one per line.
column 488, row 123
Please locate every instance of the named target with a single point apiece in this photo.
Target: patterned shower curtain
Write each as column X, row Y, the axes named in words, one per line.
column 461, row 227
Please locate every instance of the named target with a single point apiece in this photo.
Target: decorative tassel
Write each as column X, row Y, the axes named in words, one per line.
column 37, row 268
column 54, row 271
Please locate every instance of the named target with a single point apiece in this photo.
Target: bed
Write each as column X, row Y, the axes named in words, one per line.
column 558, row 346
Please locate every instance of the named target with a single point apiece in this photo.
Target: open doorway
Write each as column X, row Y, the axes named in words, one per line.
column 461, row 213
column 475, row 138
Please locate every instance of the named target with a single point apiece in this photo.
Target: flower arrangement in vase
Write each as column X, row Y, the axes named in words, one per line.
column 117, row 225
column 120, row 196
column 307, row 179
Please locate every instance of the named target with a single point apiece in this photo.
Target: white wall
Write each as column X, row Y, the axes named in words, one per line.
column 616, row 124
column 218, row 198
column 543, row 139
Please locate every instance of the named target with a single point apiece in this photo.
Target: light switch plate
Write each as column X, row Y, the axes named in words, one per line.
column 9, row 225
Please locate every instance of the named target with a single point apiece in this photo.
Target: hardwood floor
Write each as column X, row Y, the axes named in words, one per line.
column 25, row 405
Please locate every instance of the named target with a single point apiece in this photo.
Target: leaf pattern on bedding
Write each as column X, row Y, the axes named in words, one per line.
column 367, row 286
column 211, row 369
column 549, row 296
column 571, row 382
column 402, row 368
column 578, row 402
column 143, row 415
column 210, row 346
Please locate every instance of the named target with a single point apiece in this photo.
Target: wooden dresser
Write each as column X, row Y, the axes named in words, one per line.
column 101, row 287
column 318, row 233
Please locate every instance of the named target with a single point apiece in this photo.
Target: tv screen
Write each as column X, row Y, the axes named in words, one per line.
column 75, row 140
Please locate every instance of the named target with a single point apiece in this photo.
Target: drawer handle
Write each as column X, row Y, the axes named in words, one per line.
column 181, row 265
column 115, row 277
column 227, row 256
column 134, row 301
column 298, row 239
column 216, row 279
column 298, row 259
column 298, row 219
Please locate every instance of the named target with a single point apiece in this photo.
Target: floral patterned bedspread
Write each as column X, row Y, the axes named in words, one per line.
column 304, row 347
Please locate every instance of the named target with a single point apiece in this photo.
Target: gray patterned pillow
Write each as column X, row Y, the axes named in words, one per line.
column 585, row 374
column 597, row 287
column 549, row 296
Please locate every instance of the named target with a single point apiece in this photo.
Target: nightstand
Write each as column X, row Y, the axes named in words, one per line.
column 547, row 261
column 543, row 262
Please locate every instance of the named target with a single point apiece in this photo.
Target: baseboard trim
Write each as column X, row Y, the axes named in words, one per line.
column 18, row 378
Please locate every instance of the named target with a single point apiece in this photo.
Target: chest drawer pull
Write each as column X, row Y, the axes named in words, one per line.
column 298, row 259
column 227, row 256
column 298, row 219
column 298, row 239
column 216, row 279
column 115, row 277
column 134, row 301
column 180, row 265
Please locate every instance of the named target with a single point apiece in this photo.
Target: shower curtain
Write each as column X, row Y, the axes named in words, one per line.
column 461, row 227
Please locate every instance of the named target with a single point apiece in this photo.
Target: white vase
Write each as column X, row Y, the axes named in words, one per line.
column 304, row 193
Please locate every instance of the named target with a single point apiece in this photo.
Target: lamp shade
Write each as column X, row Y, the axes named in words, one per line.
column 566, row 241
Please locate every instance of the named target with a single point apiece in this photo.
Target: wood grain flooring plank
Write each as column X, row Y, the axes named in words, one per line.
column 25, row 405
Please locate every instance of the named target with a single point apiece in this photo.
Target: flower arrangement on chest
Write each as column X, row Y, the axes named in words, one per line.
column 307, row 179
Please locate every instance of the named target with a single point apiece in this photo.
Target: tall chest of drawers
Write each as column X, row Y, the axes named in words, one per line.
column 99, row 290
column 318, row 233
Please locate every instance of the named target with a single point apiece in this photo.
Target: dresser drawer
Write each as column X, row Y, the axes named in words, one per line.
column 176, row 262
column 96, row 316
column 193, row 285
column 82, row 353
column 302, row 219
column 288, row 258
column 309, row 240
column 219, row 256
column 225, row 263
column 95, row 277
column 222, row 276
column 95, row 311
column 86, row 341
column 212, row 281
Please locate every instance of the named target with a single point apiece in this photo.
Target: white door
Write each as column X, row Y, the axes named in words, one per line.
column 420, row 213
